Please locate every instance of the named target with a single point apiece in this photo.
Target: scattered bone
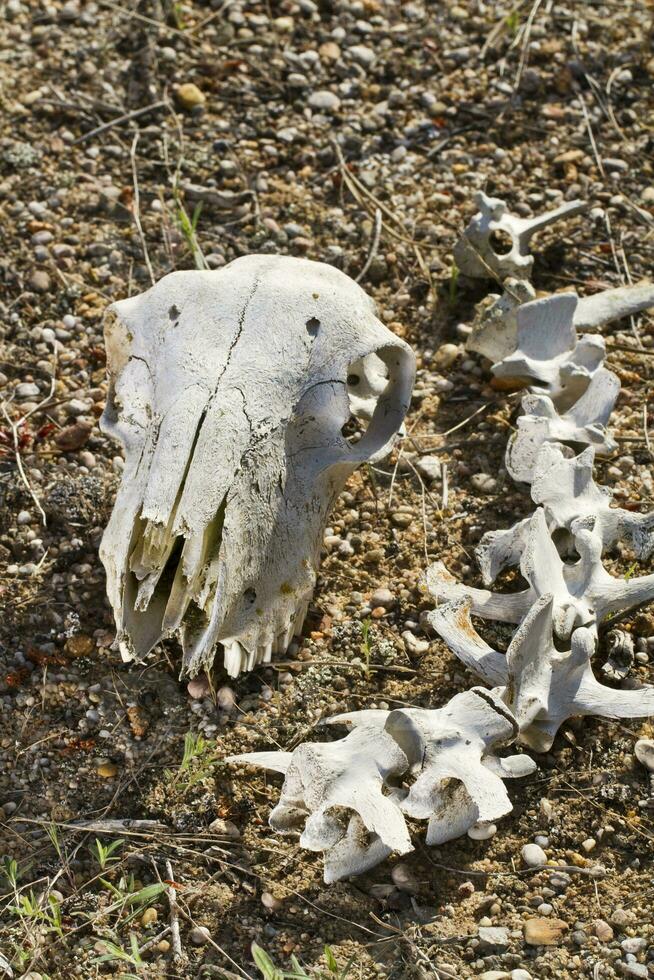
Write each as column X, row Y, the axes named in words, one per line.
column 564, row 485
column 613, row 304
column 474, row 253
column 549, row 356
column 347, row 798
column 583, row 592
column 495, row 331
column 228, row 391
column 543, row 686
column 584, row 424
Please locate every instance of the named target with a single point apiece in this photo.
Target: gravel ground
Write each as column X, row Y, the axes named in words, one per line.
column 136, row 138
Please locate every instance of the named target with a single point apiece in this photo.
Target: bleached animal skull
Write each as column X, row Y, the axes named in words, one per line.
column 584, row 424
column 347, row 798
column 495, row 331
column 564, row 485
column 228, row 392
column 474, row 253
column 583, row 592
column 541, row 685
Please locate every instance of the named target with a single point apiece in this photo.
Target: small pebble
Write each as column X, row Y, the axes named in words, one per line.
column 199, row 935
column 149, row 917
column 533, row 856
column 404, row 879
column 602, row 930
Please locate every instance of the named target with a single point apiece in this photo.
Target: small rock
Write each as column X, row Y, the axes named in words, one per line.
column 483, row 482
column 383, row 597
column 520, row 975
column 482, row 831
column 270, row 902
column 107, row 770
column 413, row 644
column 429, row 467
column 647, row 196
column 149, row 917
column 27, row 390
column 404, row 879
column 224, row 828
column 324, row 101
column 199, row 936
column 589, row 844
column 634, row 945
column 634, row 970
column 533, row 856
column 602, row 930
column 199, row 687
column 620, row 918
column 39, row 281
column 329, row 51
column 544, row 932
column 74, row 436
column 494, row 975
column 402, row 520
column 495, row 936
column 189, row 96
column 445, row 356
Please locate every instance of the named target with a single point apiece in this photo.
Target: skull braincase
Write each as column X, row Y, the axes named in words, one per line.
column 229, row 391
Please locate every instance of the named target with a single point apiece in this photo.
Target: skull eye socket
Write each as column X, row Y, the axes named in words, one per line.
column 313, row 326
column 250, row 596
column 501, row 242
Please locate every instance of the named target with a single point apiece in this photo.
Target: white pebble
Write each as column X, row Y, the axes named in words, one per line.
column 533, row 856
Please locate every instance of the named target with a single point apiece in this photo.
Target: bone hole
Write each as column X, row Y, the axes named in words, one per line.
column 367, row 378
column 565, row 545
column 501, row 242
column 313, row 325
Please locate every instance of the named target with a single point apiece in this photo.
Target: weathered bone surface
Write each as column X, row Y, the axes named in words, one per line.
column 228, row 391
column 495, row 331
column 583, row 424
column 347, row 798
column 549, row 356
column 474, row 253
column 613, row 304
column 542, row 685
column 564, row 485
column 583, row 593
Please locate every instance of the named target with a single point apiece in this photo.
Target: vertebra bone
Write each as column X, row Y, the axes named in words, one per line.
column 566, row 489
column 584, row 424
column 228, row 391
column 347, row 799
column 474, row 253
column 548, row 355
column 495, row 331
column 583, row 593
column 540, row 684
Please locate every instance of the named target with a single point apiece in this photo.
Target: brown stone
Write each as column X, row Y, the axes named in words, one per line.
column 544, row 932
column 79, row 646
column 74, row 436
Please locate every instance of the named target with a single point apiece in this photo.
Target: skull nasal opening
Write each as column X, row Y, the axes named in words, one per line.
column 367, row 379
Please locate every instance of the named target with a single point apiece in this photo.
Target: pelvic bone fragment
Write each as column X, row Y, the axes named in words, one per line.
column 228, row 392
column 474, row 253
column 347, row 798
